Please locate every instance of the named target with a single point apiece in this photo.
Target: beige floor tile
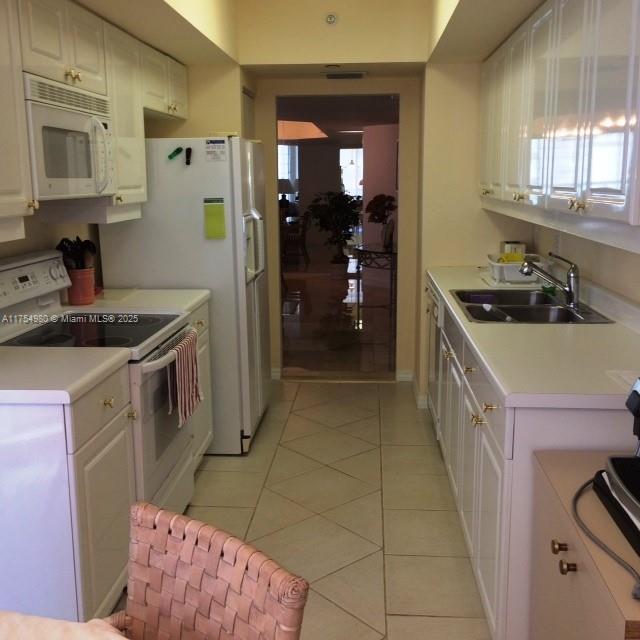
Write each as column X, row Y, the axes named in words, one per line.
column 233, row 520
column 367, row 429
column 413, row 491
column 406, row 432
column 428, row 586
column 257, row 460
column 278, row 409
column 274, row 513
column 365, row 466
column 322, row 489
column 423, row 533
column 227, row 489
column 298, row 427
column 335, row 414
column 403, row 411
column 412, row 459
column 284, row 390
column 358, row 588
column 405, row 627
column 311, row 394
column 362, row 516
column 288, row 464
column 328, row 446
column 324, row 621
column 314, row 547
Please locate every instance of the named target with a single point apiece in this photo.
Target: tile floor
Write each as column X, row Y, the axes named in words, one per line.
column 345, row 485
column 325, row 333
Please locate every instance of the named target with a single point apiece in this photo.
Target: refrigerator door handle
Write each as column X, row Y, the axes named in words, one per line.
column 259, row 243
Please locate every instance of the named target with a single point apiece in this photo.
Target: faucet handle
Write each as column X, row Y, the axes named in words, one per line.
column 572, row 265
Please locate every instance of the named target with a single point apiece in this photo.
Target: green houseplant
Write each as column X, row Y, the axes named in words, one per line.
column 338, row 213
column 380, row 208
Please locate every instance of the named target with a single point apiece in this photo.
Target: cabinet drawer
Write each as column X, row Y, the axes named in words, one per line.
column 199, row 319
column 86, row 416
column 575, row 606
column 489, row 400
column 454, row 334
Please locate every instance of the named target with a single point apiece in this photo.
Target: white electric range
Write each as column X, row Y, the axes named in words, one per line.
column 32, row 315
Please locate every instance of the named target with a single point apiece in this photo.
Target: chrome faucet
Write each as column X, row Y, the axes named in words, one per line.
column 571, row 288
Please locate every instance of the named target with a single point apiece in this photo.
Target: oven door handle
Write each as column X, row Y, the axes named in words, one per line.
column 160, row 363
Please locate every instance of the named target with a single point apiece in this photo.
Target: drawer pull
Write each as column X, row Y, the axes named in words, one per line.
column 132, row 415
column 448, row 355
column 557, row 547
column 199, row 324
column 469, row 370
column 109, row 402
column 477, row 420
column 567, row 567
column 486, row 406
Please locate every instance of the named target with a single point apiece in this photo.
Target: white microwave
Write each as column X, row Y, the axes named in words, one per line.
column 70, row 139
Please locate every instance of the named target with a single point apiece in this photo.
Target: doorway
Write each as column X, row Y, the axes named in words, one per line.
column 338, row 211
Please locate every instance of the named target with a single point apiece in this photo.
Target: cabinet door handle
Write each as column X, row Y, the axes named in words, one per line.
column 33, row 204
column 70, row 73
column 477, row 420
column 132, row 414
column 581, row 205
column 517, row 197
column 567, row 567
column 119, row 199
column 571, row 203
column 557, row 547
column 469, row 370
column 77, row 76
column 488, row 407
column 199, row 324
column 109, row 402
column 448, row 355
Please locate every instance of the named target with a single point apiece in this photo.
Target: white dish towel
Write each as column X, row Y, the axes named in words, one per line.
column 183, row 379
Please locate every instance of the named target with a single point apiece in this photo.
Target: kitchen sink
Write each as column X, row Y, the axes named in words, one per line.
column 504, row 296
column 532, row 314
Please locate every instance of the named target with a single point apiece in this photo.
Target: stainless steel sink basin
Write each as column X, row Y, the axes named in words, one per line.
column 504, row 296
column 533, row 314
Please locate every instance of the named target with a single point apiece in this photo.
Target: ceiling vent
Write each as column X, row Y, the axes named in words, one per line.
column 346, row 75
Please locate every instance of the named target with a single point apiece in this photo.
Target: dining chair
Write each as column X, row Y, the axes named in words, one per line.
column 190, row 581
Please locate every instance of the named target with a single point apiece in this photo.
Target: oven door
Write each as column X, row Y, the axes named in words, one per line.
column 158, row 442
column 71, row 154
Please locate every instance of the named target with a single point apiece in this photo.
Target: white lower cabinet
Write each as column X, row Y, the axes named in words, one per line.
column 66, row 484
column 102, row 490
column 488, row 450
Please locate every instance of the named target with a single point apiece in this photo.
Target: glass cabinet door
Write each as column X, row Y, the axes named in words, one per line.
column 569, row 117
column 612, row 124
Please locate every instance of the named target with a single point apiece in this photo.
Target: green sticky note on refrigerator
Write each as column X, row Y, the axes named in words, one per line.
column 214, row 225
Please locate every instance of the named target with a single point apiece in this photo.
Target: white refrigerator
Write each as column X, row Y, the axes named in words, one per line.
column 202, row 227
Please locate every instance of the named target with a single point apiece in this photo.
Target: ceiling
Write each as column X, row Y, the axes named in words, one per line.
column 335, row 114
column 478, row 27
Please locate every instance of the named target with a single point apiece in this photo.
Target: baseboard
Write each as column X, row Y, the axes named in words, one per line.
column 276, row 374
column 404, row 376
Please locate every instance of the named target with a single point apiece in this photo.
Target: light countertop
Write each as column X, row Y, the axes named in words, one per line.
column 546, row 365
column 60, row 375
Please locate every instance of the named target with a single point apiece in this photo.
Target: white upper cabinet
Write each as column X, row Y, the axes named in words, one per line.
column 178, row 96
column 569, row 104
column 536, row 137
column 155, row 79
column 64, row 42
column 517, row 90
column 498, row 106
column 125, row 91
column 569, row 117
column 15, row 173
column 610, row 175
column 164, row 83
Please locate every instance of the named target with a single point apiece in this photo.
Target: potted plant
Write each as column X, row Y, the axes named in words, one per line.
column 380, row 209
column 78, row 257
column 338, row 213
